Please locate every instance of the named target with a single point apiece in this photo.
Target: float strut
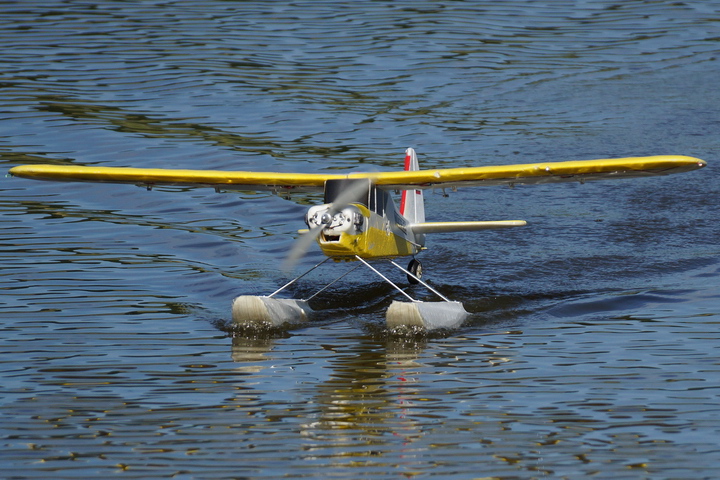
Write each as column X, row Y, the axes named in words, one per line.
column 333, row 282
column 424, row 284
column 386, row 279
column 296, row 279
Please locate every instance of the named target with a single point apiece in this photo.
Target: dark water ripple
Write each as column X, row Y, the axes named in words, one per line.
column 592, row 348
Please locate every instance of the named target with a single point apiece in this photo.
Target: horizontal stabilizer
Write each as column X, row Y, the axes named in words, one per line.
column 449, row 227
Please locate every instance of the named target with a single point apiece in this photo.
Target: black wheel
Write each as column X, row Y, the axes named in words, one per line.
column 414, row 267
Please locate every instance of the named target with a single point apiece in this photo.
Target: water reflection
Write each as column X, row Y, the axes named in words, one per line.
column 252, row 349
column 366, row 403
column 392, row 397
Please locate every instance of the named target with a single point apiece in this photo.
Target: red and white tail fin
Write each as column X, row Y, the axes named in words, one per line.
column 412, row 205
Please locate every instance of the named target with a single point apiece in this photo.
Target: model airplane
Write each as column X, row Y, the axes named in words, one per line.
column 359, row 220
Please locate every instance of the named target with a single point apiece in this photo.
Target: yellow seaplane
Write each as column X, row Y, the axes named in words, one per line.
column 360, row 220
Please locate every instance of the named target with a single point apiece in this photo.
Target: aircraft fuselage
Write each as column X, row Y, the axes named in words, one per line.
column 369, row 227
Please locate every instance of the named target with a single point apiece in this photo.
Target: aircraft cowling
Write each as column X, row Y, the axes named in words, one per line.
column 348, row 220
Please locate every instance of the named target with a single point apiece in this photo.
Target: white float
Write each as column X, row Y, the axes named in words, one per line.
column 268, row 312
column 425, row 316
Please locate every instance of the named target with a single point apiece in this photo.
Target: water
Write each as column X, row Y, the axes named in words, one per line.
column 592, row 349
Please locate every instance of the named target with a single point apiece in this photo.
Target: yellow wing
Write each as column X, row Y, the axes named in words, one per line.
column 535, row 173
column 238, row 180
column 538, row 173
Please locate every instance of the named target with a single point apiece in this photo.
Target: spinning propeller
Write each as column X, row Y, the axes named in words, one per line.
column 326, row 219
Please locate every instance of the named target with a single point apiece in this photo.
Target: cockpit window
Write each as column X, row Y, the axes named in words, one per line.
column 377, row 201
column 370, row 196
column 336, row 188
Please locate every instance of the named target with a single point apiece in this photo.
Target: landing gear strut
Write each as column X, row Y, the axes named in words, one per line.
column 414, row 267
column 415, row 315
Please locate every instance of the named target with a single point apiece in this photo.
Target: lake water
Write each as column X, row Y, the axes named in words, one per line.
column 593, row 348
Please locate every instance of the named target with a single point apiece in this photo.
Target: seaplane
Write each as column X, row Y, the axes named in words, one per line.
column 360, row 220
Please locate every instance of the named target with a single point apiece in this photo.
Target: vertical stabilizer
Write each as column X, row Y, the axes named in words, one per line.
column 412, row 205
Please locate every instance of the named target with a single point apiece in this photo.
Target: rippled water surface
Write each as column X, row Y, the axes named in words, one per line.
column 593, row 349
